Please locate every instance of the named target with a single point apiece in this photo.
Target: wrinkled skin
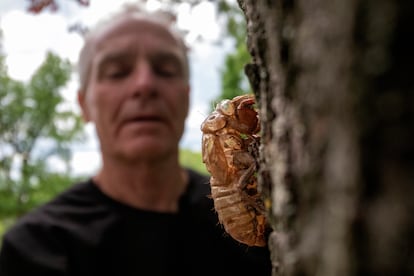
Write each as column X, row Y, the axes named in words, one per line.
column 230, row 137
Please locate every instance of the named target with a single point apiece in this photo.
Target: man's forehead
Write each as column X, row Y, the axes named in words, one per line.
column 118, row 44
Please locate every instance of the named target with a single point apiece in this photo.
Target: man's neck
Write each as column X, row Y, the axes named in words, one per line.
column 150, row 186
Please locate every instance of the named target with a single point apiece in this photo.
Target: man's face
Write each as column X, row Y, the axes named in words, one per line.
column 138, row 91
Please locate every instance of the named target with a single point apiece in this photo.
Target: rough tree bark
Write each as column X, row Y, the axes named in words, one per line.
column 334, row 84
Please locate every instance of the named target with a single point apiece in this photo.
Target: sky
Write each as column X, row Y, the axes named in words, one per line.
column 27, row 38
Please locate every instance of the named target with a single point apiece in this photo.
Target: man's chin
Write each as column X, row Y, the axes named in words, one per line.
column 147, row 149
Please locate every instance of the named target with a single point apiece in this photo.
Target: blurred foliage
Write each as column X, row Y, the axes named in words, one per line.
column 4, row 225
column 48, row 186
column 35, row 126
column 37, row 6
column 233, row 79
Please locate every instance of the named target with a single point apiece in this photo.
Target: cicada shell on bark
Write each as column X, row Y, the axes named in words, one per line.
column 230, row 134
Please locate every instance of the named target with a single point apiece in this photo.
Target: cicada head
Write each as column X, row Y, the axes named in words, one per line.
column 242, row 114
column 214, row 122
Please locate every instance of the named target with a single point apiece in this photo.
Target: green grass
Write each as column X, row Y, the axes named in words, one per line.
column 192, row 160
column 5, row 223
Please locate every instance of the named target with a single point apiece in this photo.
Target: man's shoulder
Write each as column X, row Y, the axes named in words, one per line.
column 42, row 237
column 76, row 198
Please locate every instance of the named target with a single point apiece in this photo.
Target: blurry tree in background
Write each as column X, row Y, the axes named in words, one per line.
column 37, row 6
column 35, row 127
column 233, row 80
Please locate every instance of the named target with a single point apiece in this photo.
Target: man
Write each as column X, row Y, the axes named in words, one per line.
column 141, row 214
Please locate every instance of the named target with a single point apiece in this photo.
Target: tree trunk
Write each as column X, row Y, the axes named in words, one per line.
column 334, row 84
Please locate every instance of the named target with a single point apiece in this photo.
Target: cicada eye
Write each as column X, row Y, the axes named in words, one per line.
column 226, row 107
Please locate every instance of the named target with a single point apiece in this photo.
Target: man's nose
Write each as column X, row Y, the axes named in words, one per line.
column 143, row 80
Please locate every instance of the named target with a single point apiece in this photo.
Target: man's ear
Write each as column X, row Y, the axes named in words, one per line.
column 84, row 107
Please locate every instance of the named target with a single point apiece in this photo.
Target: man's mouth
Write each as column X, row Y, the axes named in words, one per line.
column 143, row 119
column 144, row 122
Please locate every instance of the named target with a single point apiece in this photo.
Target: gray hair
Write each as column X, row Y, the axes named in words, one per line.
column 88, row 50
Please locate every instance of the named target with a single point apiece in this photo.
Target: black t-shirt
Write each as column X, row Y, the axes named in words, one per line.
column 85, row 232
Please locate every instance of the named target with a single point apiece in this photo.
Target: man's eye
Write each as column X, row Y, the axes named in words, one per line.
column 167, row 67
column 115, row 72
column 166, row 70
